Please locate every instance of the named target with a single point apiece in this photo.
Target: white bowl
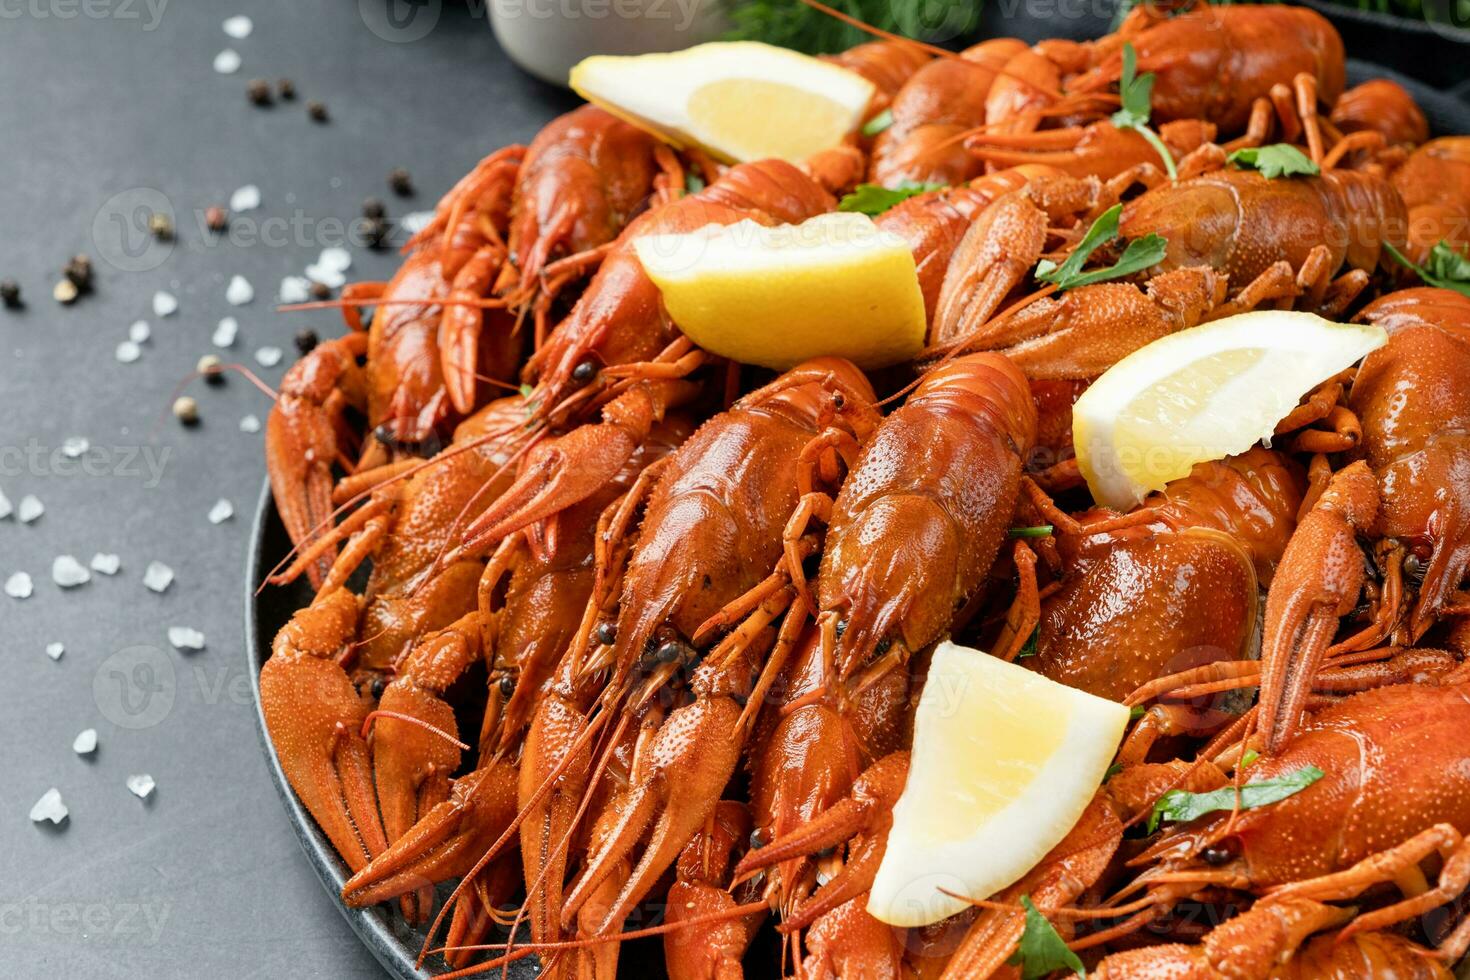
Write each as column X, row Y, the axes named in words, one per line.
column 548, row 37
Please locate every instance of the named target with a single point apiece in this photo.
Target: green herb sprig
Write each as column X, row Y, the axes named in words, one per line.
column 1041, row 950
column 792, row 24
column 1136, row 92
column 874, row 199
column 1276, row 160
column 1181, row 806
column 1447, row 268
column 1139, row 255
column 878, row 123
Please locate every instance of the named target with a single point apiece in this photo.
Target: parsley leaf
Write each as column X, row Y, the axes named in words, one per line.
column 874, row 199
column 1136, row 93
column 1039, row 531
column 1248, row 756
column 1028, row 649
column 525, row 390
column 1182, row 806
column 1136, row 712
column 1139, row 255
column 1448, row 269
column 693, row 183
column 1041, row 950
column 1277, row 160
column 878, row 123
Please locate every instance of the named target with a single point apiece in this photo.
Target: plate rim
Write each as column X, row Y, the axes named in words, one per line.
column 371, row 924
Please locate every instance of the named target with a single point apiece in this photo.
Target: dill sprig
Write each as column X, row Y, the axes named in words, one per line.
column 792, row 24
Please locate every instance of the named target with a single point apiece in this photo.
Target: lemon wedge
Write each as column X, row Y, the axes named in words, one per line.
column 775, row 296
column 738, row 100
column 1004, row 762
column 1203, row 394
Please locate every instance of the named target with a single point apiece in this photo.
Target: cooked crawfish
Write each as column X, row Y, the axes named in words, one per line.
column 1406, row 492
column 1187, row 567
column 1215, row 62
column 584, row 176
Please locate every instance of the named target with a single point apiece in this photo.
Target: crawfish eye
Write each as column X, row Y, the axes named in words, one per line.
column 377, row 687
column 1216, row 855
column 507, row 686
column 585, row 371
column 671, row 651
column 607, row 633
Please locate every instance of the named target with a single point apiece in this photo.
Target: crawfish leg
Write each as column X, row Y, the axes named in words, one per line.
column 1399, row 864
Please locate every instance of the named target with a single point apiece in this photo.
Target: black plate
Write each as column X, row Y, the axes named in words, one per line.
column 387, row 936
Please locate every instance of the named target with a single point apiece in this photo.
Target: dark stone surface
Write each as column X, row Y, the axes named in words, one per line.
column 206, row 878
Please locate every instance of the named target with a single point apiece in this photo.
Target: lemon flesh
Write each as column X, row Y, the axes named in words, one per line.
column 776, row 296
column 1004, row 762
column 740, row 101
column 1203, row 394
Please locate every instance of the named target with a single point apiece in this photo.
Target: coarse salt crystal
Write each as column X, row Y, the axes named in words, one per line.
column 75, row 446
column 239, row 291
column 246, row 198
column 5, row 508
column 86, row 742
column 268, row 356
column 139, row 332
column 295, row 289
column 222, row 511
column 225, row 332
column 158, row 576
column 185, row 638
column 227, row 62
column 68, row 573
column 55, row 650
column 415, row 221
column 335, row 257
column 106, row 563
column 238, row 26
column 30, row 508
column 18, row 586
column 128, row 352
column 140, row 785
column 249, row 424
column 49, row 807
column 165, row 304
column 325, row 276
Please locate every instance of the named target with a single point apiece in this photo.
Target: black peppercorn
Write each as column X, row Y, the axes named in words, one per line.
column 258, row 91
